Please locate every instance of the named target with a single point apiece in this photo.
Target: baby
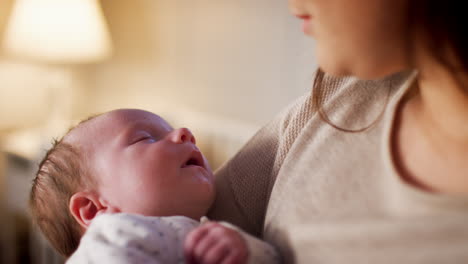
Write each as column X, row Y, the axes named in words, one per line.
column 125, row 187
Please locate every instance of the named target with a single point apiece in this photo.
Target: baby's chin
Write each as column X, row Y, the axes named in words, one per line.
column 210, row 176
column 211, row 193
column 210, row 198
column 202, row 208
column 204, row 199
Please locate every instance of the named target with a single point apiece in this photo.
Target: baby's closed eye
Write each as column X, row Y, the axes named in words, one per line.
column 142, row 136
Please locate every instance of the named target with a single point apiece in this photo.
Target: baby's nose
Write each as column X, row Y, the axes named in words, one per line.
column 182, row 135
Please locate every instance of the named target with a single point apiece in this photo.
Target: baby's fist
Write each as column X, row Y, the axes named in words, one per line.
column 213, row 243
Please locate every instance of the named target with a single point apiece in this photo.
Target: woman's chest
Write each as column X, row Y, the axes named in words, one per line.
column 328, row 173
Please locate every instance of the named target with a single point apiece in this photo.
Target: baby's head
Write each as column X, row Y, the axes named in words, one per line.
column 125, row 160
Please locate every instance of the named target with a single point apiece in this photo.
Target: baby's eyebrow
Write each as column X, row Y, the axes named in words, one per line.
column 136, row 125
column 125, row 136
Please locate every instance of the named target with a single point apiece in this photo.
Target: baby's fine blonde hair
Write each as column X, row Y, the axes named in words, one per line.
column 61, row 173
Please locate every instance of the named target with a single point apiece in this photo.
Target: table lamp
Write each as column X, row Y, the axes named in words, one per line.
column 53, row 35
column 58, row 31
column 57, row 34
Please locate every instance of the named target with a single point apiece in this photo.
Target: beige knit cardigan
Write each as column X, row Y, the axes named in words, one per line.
column 321, row 195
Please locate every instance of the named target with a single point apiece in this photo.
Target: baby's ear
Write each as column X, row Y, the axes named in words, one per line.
column 84, row 206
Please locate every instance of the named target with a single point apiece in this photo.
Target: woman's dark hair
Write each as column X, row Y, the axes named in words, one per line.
column 441, row 24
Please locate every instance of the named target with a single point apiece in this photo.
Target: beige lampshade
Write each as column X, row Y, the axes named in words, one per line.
column 58, row 31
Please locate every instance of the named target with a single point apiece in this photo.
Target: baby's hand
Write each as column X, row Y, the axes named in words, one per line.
column 214, row 243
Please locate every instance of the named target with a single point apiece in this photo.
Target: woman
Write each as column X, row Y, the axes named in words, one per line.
column 369, row 168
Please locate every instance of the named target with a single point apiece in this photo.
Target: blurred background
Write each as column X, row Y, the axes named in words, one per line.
column 222, row 68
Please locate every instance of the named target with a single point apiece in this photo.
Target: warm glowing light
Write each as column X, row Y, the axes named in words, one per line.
column 58, row 31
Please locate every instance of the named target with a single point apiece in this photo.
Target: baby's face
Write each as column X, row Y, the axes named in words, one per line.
column 144, row 166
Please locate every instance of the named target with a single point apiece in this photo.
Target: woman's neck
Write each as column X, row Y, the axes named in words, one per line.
column 442, row 105
column 432, row 139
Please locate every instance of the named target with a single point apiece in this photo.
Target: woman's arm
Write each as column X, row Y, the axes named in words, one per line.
column 245, row 182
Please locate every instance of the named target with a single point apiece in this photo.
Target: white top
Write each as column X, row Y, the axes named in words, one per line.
column 321, row 195
column 131, row 239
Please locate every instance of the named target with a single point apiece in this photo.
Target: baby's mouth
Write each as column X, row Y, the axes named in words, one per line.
column 195, row 159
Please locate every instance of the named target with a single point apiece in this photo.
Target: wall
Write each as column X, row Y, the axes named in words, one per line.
column 240, row 60
column 210, row 65
column 5, row 7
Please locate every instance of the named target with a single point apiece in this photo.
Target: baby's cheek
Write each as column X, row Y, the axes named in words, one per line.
column 166, row 161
